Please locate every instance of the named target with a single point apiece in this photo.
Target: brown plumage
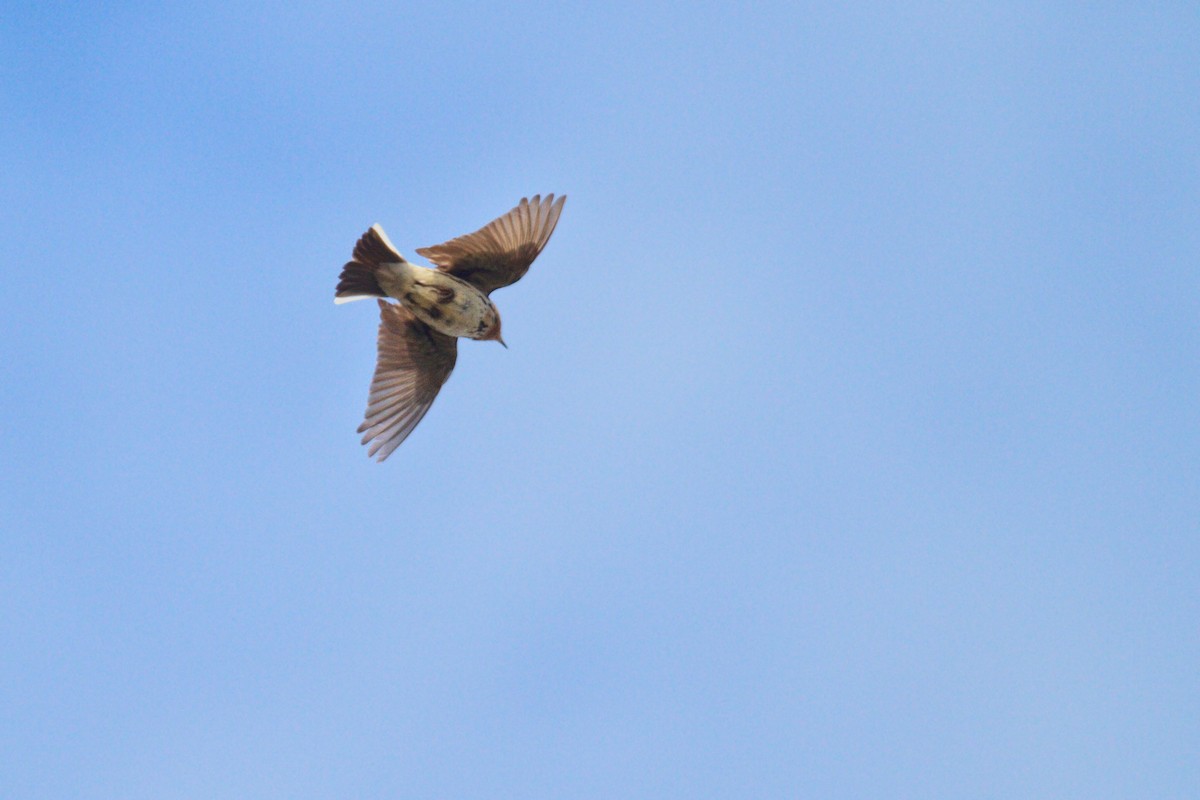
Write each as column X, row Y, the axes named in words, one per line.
column 499, row 253
column 414, row 361
column 418, row 337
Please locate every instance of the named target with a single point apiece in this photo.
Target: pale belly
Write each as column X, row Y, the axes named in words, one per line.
column 443, row 302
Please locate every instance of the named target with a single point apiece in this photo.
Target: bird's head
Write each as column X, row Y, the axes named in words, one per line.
column 494, row 333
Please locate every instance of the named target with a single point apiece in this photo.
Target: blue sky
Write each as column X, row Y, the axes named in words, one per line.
column 846, row 445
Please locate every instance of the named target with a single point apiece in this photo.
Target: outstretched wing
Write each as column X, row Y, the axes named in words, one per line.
column 414, row 362
column 499, row 253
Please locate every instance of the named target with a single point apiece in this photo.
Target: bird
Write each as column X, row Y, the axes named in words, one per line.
column 418, row 335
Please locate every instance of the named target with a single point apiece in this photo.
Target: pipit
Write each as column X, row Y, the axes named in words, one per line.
column 418, row 336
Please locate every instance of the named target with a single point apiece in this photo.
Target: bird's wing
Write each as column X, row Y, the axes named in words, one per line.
column 414, row 361
column 499, row 253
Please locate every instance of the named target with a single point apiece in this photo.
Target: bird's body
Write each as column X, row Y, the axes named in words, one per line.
column 418, row 337
column 440, row 300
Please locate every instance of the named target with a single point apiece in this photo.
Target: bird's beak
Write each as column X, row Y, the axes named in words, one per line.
column 501, row 341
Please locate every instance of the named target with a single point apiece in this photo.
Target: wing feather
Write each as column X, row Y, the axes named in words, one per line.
column 499, row 253
column 414, row 361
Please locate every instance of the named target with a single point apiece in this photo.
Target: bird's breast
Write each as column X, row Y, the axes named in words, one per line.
column 446, row 303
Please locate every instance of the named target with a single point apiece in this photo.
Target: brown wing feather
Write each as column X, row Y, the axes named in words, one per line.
column 414, row 361
column 499, row 253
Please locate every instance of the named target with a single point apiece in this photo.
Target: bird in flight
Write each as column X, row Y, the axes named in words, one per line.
column 418, row 336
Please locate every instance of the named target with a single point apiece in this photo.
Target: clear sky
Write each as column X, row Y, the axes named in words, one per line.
column 847, row 445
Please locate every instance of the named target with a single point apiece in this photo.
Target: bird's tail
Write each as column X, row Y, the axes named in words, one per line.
column 358, row 279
